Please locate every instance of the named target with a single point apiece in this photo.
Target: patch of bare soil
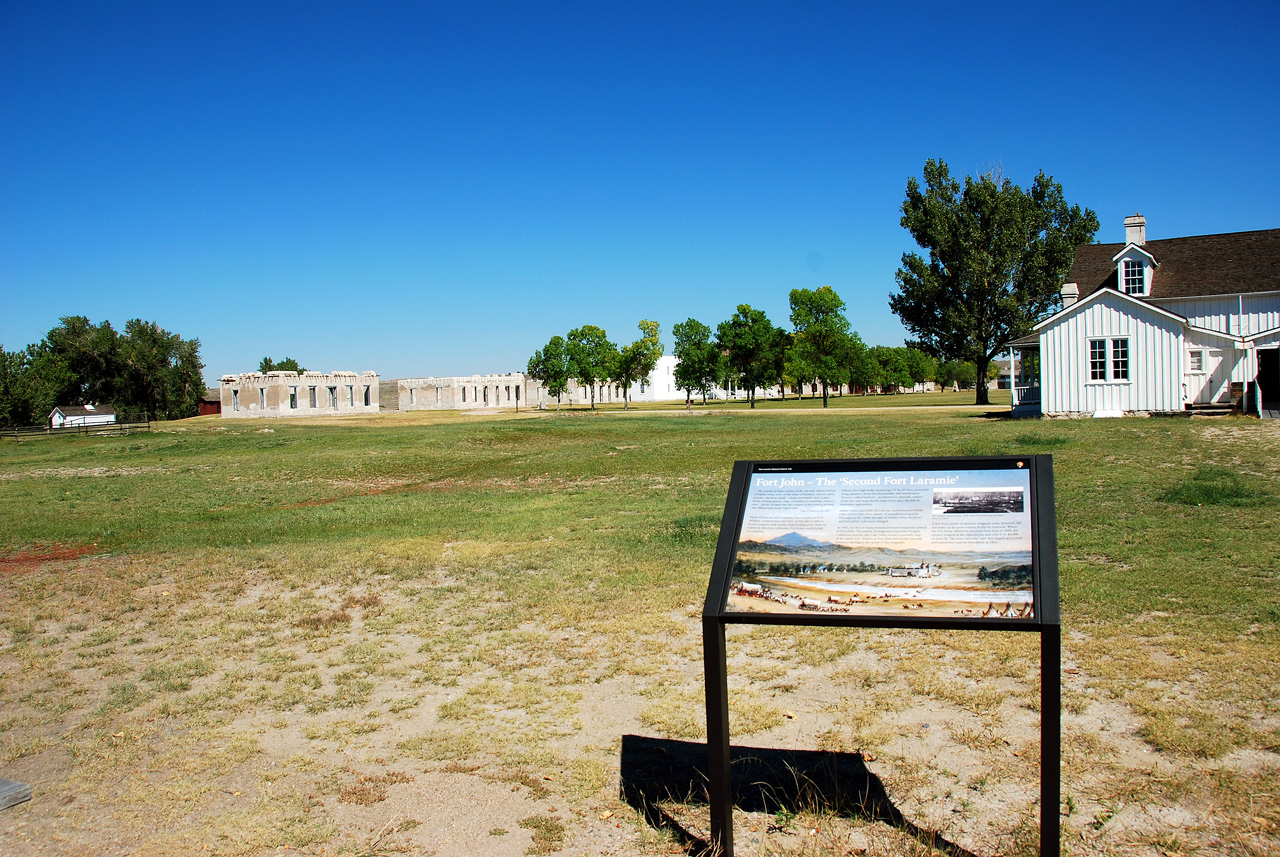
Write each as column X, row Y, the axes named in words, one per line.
column 35, row 557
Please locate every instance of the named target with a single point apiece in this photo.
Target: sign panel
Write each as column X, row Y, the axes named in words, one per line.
column 927, row 540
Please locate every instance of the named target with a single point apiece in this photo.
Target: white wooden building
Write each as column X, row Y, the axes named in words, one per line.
column 1164, row 326
column 69, row 416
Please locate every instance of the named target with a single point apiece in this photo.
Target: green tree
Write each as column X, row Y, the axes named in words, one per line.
column 997, row 256
column 16, row 405
column 88, row 356
column 591, row 356
column 636, row 362
column 920, row 366
column 698, row 359
column 864, row 371
column 821, row 337
column 288, row 364
column 550, row 365
column 776, row 357
column 895, row 372
column 745, row 338
column 958, row 372
column 161, row 370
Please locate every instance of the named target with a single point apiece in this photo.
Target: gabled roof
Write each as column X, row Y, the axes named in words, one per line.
column 1141, row 248
column 1225, row 264
column 84, row 410
column 1098, row 294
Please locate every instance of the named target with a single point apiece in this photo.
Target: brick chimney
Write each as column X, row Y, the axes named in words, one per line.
column 1070, row 294
column 1135, row 230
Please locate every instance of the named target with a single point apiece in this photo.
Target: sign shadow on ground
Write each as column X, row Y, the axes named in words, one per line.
column 658, row 770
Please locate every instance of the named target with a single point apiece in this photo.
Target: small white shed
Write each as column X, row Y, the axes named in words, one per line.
column 70, row 416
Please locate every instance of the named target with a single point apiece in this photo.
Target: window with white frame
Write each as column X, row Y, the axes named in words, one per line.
column 311, row 399
column 293, row 398
column 235, row 400
column 351, row 395
column 1134, row 277
column 333, row 398
column 1195, row 361
column 1097, row 360
column 1119, row 360
column 1118, row 351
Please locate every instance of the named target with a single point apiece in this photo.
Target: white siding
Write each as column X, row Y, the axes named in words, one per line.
column 1155, row 360
column 1223, row 313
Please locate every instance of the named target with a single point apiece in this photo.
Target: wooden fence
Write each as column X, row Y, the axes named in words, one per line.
column 110, row 429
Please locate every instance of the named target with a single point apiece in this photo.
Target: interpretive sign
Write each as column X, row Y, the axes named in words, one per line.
column 952, row 541
column 944, row 543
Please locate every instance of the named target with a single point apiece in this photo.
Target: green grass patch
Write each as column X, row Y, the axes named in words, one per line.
column 1213, row 485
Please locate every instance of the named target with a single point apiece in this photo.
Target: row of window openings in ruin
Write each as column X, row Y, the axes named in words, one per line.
column 475, row 394
column 311, row 397
column 479, row 393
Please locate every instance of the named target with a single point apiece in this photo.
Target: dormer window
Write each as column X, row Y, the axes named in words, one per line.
column 1134, row 269
column 1134, row 277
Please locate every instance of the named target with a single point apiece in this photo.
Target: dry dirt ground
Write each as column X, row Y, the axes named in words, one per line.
column 209, row 706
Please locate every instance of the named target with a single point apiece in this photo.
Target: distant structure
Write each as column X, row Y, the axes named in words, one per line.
column 210, row 402
column 68, row 416
column 289, row 394
column 478, row 392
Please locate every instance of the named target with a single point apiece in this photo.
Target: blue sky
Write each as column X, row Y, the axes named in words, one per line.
column 436, row 189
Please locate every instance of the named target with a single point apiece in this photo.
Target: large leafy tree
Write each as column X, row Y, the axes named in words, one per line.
column 997, row 255
column 550, row 365
column 591, row 356
column 698, row 365
column 821, row 337
column 161, row 370
column 636, row 362
column 745, row 339
column 90, row 355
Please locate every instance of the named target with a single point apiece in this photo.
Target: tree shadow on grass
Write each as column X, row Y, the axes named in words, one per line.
column 656, row 770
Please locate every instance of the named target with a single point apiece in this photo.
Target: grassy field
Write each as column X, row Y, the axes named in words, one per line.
column 430, row 633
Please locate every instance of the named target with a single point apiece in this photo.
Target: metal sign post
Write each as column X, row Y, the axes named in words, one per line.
column 965, row 544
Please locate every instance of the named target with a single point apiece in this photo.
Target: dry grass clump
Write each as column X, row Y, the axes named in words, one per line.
column 368, row 790
column 325, row 621
column 548, row 833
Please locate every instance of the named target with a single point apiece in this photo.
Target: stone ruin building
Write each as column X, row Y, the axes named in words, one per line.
column 290, row 394
column 476, row 392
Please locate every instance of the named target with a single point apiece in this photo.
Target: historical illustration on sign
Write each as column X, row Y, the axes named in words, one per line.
column 954, row 543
